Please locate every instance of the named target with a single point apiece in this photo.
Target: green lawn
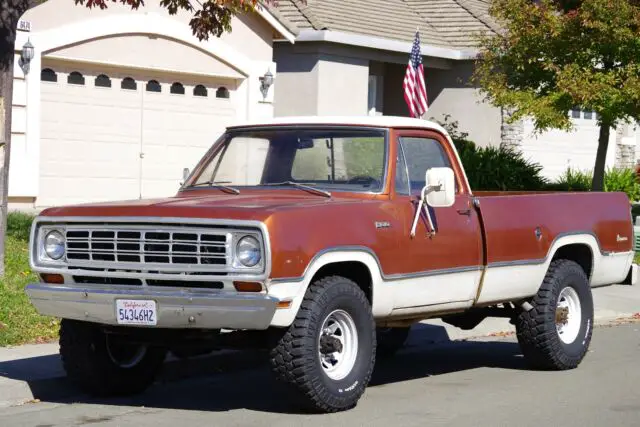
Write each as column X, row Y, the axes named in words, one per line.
column 19, row 321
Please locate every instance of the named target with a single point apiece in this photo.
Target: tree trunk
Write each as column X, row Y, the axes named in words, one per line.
column 6, row 86
column 10, row 13
column 603, row 143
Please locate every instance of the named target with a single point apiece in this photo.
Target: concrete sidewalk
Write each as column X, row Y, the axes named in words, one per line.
column 32, row 372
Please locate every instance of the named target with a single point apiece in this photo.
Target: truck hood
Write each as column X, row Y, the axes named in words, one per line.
column 249, row 206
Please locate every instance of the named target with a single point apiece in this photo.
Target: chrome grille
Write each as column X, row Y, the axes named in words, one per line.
column 165, row 247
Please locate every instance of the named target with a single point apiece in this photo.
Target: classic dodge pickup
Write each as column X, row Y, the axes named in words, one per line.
column 322, row 240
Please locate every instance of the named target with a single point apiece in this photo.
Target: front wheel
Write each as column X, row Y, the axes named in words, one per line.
column 327, row 355
column 104, row 364
column 556, row 333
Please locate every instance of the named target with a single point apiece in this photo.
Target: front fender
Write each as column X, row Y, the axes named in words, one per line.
column 294, row 289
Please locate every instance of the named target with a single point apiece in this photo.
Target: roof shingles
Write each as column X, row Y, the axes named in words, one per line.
column 447, row 23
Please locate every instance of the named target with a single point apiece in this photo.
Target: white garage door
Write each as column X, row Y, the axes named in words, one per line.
column 111, row 135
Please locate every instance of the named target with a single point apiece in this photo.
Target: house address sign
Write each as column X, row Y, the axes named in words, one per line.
column 24, row 25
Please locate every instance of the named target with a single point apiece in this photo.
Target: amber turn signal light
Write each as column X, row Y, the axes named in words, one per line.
column 52, row 278
column 248, row 286
column 283, row 304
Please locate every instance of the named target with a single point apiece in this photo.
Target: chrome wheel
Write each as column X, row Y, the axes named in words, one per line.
column 123, row 354
column 568, row 315
column 338, row 344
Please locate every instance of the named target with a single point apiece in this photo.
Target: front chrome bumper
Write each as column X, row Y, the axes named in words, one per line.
column 176, row 308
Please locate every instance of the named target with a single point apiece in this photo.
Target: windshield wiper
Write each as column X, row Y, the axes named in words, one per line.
column 301, row 186
column 217, row 184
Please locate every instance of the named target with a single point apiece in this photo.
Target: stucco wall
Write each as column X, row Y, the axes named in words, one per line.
column 449, row 92
column 250, row 34
column 132, row 51
column 343, row 85
column 296, row 93
column 316, row 83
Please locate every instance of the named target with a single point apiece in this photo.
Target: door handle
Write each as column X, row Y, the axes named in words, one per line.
column 464, row 212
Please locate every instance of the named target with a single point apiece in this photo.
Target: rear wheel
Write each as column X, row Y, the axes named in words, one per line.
column 327, row 355
column 105, row 364
column 556, row 333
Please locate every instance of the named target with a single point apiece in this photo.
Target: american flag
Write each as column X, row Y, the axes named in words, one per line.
column 415, row 90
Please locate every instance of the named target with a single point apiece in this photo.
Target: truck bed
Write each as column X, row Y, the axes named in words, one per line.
column 522, row 229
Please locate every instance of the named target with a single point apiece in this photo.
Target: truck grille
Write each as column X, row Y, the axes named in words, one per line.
column 127, row 247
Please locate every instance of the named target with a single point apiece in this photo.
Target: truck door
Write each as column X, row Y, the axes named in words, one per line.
column 440, row 267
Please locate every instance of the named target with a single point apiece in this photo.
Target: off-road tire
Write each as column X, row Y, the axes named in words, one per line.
column 85, row 358
column 536, row 329
column 390, row 341
column 294, row 357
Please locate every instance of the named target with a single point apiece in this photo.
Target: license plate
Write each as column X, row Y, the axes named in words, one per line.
column 136, row 312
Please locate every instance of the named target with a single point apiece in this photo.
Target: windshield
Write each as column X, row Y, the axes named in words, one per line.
column 332, row 159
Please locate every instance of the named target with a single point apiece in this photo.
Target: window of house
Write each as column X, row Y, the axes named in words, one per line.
column 420, row 155
column 588, row 115
column 375, row 95
column 153, row 86
column 575, row 114
column 177, row 88
column 222, row 92
column 128, row 84
column 199, row 90
column 75, row 78
column 48, row 75
column 103, row 81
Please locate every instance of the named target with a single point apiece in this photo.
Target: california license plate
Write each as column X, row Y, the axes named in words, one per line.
column 136, row 312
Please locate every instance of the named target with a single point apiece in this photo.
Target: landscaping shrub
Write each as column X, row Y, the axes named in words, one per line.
column 19, row 225
column 616, row 179
column 500, row 169
column 494, row 168
column 624, row 180
column 571, row 180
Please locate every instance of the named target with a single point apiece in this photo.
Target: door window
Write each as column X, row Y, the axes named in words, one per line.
column 420, row 155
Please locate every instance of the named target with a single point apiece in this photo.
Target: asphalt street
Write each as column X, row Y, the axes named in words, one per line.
column 461, row 383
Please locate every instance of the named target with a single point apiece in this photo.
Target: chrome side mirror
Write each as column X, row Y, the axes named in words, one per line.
column 441, row 187
column 439, row 192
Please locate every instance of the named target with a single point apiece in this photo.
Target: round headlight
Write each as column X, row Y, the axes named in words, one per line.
column 248, row 251
column 54, row 245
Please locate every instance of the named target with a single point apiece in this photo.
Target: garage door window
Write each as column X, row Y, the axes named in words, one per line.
column 199, row 91
column 128, row 84
column 153, row 86
column 177, row 88
column 222, row 92
column 75, row 78
column 103, row 81
column 48, row 75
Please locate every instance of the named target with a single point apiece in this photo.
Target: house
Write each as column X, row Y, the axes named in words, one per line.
column 116, row 103
column 350, row 57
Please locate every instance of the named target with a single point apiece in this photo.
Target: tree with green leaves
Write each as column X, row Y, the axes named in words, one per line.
column 555, row 56
column 209, row 17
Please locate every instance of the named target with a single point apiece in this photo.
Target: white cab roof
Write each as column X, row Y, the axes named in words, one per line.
column 374, row 121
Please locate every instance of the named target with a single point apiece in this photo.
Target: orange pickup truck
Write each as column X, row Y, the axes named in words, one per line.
column 322, row 239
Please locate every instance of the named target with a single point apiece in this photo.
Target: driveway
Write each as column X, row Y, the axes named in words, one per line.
column 483, row 382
